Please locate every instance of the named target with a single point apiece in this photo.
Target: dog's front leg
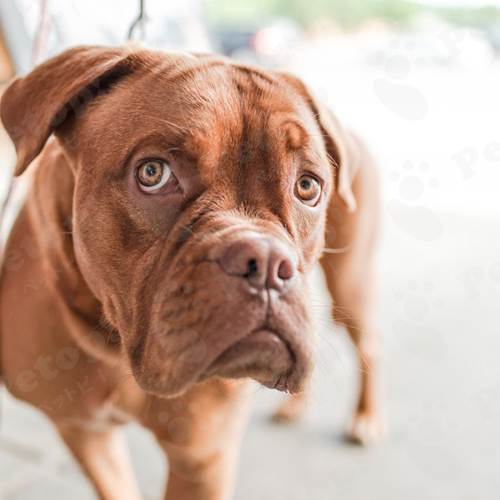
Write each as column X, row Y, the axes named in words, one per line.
column 103, row 456
column 201, row 439
column 349, row 277
column 200, row 474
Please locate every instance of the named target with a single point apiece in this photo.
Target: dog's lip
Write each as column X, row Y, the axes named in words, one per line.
column 262, row 355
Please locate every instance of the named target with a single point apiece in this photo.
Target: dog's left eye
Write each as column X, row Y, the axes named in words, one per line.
column 152, row 175
column 308, row 190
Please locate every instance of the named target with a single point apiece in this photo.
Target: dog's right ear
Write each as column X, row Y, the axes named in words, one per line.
column 34, row 105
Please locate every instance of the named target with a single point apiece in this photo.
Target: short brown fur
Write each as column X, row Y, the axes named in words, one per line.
column 116, row 301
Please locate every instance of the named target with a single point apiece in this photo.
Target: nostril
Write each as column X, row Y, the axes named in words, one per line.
column 286, row 270
column 262, row 262
column 253, row 268
column 246, row 258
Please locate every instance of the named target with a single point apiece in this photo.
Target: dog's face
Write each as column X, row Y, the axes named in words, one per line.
column 199, row 206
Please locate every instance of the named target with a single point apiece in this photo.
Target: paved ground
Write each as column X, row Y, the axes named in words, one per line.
column 439, row 311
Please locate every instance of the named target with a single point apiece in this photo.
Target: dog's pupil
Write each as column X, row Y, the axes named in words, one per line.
column 305, row 184
column 151, row 170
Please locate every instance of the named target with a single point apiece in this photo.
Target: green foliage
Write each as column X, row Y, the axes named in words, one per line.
column 478, row 17
column 348, row 14
column 395, row 10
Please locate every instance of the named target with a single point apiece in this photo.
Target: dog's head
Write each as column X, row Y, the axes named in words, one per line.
column 201, row 188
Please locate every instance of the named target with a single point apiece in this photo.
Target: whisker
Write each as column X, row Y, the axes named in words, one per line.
column 337, row 250
column 333, row 348
column 329, row 300
column 339, row 323
column 356, row 348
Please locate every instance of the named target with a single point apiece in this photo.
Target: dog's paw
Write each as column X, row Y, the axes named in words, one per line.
column 367, row 429
column 292, row 410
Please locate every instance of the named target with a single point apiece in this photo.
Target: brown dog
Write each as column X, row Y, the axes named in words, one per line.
column 162, row 253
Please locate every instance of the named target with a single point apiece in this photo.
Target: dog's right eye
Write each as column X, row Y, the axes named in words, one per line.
column 152, row 175
column 308, row 190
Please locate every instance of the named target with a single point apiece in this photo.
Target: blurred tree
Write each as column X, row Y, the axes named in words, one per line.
column 478, row 17
column 347, row 14
column 395, row 10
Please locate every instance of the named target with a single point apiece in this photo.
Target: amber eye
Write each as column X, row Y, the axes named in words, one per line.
column 152, row 175
column 308, row 190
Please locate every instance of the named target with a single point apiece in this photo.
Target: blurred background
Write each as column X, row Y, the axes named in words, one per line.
column 419, row 81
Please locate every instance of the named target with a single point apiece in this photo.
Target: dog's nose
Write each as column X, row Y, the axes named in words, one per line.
column 264, row 262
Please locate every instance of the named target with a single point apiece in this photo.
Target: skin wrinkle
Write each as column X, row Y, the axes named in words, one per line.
column 236, row 227
column 262, row 159
column 248, row 137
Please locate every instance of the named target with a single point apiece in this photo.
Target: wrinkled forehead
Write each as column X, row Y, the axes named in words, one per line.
column 207, row 105
column 206, row 90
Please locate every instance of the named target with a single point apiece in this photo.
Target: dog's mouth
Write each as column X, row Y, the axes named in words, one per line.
column 264, row 336
column 262, row 355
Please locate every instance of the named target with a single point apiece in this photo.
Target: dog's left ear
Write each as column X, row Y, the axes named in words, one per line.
column 34, row 105
column 336, row 141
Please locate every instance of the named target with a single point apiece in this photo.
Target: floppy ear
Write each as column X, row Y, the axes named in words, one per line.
column 34, row 105
column 337, row 142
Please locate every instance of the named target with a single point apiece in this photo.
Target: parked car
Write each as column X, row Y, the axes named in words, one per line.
column 268, row 43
